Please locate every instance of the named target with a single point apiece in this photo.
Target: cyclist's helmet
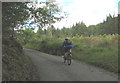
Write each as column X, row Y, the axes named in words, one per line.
column 66, row 39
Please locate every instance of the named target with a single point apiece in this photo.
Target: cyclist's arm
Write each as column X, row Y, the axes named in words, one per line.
column 63, row 44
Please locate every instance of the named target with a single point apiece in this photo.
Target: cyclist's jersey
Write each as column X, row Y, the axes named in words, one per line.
column 66, row 44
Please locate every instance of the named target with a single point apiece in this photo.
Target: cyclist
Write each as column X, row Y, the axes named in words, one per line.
column 67, row 44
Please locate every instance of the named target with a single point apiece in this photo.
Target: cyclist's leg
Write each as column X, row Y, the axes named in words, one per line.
column 65, row 55
column 70, row 52
column 65, row 52
column 69, row 56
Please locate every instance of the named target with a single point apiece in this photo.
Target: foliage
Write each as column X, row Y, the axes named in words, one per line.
column 13, row 15
column 110, row 26
column 45, row 15
column 18, row 15
column 25, row 35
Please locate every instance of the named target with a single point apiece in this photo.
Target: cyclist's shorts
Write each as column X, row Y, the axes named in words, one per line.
column 66, row 49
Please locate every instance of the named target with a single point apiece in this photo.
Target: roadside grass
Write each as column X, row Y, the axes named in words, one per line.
column 99, row 50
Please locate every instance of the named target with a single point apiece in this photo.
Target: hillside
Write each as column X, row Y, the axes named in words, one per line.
column 16, row 65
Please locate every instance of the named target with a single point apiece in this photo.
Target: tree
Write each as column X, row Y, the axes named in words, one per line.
column 110, row 26
column 25, row 35
column 45, row 15
column 13, row 14
column 79, row 29
column 17, row 15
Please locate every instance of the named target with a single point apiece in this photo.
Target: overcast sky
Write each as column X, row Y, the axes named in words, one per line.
column 89, row 11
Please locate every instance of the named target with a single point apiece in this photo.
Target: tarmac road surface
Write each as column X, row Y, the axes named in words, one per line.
column 52, row 68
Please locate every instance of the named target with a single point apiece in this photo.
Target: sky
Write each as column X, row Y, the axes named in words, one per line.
column 90, row 12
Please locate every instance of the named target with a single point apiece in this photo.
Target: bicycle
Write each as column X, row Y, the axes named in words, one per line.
column 68, row 58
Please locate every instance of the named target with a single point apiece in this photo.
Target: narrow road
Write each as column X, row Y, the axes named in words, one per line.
column 52, row 68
